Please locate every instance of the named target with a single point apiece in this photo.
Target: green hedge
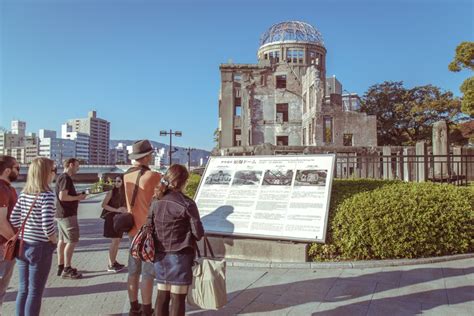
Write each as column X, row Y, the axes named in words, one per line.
column 193, row 183
column 397, row 220
column 377, row 219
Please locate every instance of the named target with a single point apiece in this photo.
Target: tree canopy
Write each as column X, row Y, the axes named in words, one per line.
column 405, row 116
column 464, row 59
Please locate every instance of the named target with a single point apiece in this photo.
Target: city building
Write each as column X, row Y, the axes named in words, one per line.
column 54, row 148
column 286, row 100
column 119, row 155
column 18, row 127
column 81, row 140
column 99, row 136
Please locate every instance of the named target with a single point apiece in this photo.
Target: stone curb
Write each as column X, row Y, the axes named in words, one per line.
column 344, row 264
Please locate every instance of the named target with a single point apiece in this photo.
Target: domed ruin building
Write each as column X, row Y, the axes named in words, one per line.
column 286, row 100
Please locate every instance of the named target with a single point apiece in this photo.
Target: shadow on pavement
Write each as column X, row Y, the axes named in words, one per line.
column 337, row 290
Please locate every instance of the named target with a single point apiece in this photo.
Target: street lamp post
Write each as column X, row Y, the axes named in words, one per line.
column 171, row 133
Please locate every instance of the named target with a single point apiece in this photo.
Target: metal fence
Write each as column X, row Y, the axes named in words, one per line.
column 454, row 169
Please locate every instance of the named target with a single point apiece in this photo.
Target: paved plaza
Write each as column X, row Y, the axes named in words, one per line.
column 445, row 288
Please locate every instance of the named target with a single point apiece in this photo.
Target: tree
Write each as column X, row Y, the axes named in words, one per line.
column 405, row 116
column 464, row 58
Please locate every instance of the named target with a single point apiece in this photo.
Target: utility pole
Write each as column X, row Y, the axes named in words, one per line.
column 189, row 157
column 171, row 133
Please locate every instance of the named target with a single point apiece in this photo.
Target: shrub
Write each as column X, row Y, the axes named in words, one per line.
column 193, row 183
column 400, row 220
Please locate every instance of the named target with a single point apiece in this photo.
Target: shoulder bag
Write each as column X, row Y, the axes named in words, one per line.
column 208, row 290
column 14, row 246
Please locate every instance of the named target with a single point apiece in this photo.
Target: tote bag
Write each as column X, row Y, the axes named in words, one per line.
column 208, row 290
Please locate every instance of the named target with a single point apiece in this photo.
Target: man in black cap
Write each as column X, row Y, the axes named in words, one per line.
column 140, row 183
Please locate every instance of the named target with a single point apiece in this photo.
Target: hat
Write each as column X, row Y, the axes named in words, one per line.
column 123, row 222
column 141, row 149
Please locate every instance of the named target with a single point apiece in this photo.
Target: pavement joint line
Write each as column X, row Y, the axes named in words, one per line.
column 344, row 264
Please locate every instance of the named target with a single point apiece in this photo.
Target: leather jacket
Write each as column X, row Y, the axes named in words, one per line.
column 177, row 222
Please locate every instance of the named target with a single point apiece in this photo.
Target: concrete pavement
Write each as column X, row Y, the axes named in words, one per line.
column 441, row 288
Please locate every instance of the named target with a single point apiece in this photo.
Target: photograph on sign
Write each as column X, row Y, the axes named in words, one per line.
column 273, row 197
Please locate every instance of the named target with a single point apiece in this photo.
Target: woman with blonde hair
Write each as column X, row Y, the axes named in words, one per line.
column 35, row 210
column 177, row 228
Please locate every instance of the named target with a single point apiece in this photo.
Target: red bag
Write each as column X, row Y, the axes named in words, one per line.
column 13, row 246
column 143, row 244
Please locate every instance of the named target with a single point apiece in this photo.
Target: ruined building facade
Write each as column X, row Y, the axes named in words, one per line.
column 286, row 100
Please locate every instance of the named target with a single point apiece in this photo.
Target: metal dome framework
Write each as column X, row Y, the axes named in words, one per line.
column 291, row 31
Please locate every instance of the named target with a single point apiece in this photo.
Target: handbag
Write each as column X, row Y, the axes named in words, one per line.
column 143, row 244
column 13, row 246
column 208, row 290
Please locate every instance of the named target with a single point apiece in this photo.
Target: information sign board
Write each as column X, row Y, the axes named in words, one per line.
column 275, row 197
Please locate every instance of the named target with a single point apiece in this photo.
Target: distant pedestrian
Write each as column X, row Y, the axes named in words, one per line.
column 140, row 184
column 177, row 228
column 9, row 171
column 113, row 204
column 67, row 204
column 39, row 237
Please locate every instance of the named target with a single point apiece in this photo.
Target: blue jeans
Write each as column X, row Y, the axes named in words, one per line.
column 33, row 267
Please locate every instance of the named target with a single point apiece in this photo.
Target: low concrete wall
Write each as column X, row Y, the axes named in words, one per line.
column 257, row 249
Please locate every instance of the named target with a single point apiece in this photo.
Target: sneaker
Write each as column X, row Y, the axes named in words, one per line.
column 60, row 269
column 71, row 273
column 116, row 267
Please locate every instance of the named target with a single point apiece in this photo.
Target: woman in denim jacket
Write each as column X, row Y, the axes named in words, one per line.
column 177, row 228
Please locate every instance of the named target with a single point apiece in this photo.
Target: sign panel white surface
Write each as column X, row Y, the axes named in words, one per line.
column 276, row 197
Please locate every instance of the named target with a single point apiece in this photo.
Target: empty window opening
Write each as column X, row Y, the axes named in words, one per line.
column 274, row 56
column 282, row 140
column 327, row 129
column 237, row 77
column 347, row 140
column 282, row 112
column 281, row 82
column 237, row 137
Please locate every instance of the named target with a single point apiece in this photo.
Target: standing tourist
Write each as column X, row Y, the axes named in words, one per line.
column 140, row 183
column 67, row 202
column 9, row 171
column 38, row 236
column 177, row 228
column 113, row 204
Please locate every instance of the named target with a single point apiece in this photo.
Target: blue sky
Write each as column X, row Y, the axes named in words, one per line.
column 152, row 65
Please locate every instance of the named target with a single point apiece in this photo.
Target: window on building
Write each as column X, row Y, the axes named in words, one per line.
column 274, row 56
column 304, row 136
column 265, row 56
column 282, row 140
column 237, row 137
column 312, row 58
column 347, row 140
column 282, row 112
column 237, row 106
column 327, row 129
column 294, row 56
column 237, row 77
column 281, row 82
column 310, row 136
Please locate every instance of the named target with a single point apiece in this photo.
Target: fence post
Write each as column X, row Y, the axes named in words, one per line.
column 399, row 164
column 387, row 163
column 422, row 162
column 408, row 170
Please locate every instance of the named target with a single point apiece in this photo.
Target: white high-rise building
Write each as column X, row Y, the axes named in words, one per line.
column 18, row 127
column 81, row 139
column 99, row 136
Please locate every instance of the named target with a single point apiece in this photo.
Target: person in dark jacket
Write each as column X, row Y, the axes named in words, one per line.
column 177, row 228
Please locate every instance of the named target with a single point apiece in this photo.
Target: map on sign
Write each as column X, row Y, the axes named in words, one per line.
column 275, row 197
